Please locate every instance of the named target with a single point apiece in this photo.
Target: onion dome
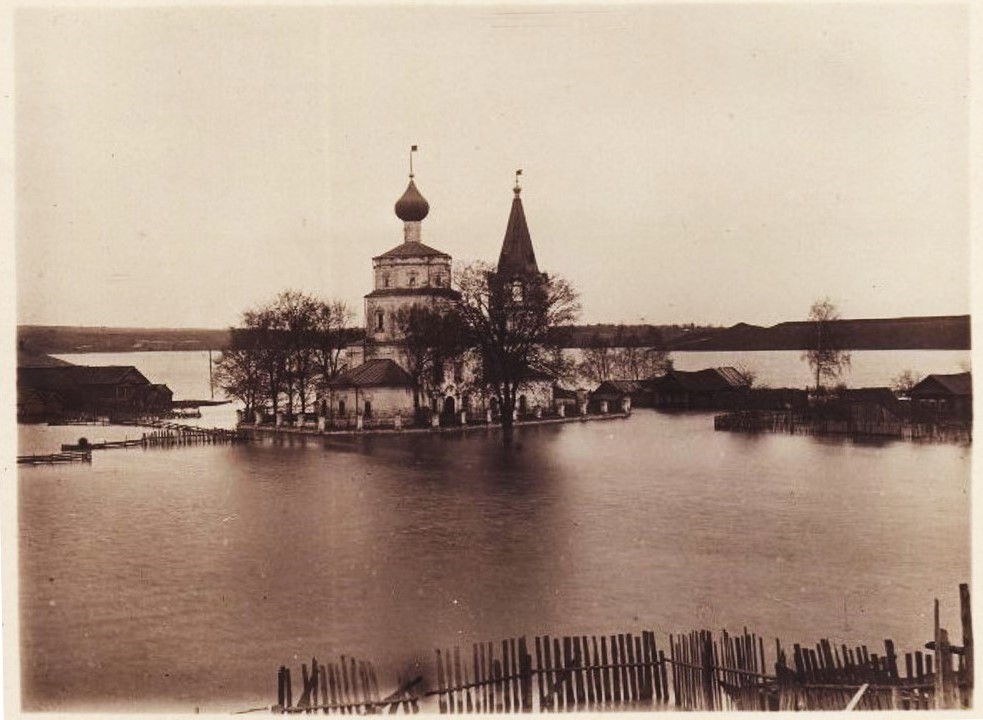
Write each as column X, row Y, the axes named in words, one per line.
column 412, row 207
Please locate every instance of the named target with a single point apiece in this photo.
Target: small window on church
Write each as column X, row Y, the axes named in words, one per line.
column 438, row 280
column 385, row 280
column 379, row 321
column 517, row 291
column 412, row 279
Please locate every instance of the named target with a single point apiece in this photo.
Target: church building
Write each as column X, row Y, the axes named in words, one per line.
column 376, row 389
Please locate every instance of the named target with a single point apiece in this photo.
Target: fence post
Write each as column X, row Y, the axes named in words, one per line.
column 966, row 613
column 525, row 675
column 937, row 637
column 707, row 662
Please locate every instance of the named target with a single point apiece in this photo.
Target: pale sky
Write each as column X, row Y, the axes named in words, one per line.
column 702, row 163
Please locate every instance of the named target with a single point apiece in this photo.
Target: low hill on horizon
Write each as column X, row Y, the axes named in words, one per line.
column 55, row 339
column 941, row 332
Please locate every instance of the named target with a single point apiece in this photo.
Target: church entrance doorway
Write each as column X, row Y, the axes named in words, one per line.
column 447, row 415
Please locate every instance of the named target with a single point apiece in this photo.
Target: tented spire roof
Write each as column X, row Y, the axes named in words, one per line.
column 517, row 256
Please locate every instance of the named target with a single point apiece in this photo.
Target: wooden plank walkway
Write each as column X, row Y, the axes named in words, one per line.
column 55, row 458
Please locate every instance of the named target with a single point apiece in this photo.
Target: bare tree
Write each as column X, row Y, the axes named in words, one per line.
column 260, row 336
column 902, row 383
column 597, row 363
column 641, row 363
column 623, row 363
column 238, row 373
column 283, row 350
column 432, row 335
column 749, row 376
column 826, row 356
column 296, row 316
column 509, row 326
column 332, row 333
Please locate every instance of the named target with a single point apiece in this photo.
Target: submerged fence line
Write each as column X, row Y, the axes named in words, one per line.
column 631, row 671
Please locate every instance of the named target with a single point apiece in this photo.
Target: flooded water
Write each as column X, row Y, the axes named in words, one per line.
column 176, row 579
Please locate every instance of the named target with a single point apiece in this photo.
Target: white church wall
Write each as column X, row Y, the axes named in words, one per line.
column 384, row 403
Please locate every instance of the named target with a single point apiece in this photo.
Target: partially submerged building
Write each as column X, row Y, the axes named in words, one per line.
column 721, row 387
column 57, row 390
column 941, row 397
column 617, row 395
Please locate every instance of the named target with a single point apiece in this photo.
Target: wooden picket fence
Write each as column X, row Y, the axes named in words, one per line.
column 629, row 671
column 348, row 687
column 574, row 672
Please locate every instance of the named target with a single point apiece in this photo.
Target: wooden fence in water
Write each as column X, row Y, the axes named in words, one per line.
column 630, row 671
column 55, row 458
column 166, row 435
column 794, row 423
column 348, row 687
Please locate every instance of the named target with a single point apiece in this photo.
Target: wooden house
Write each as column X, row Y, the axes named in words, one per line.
column 94, row 389
column 613, row 393
column 34, row 404
column 943, row 397
column 712, row 388
column 873, row 411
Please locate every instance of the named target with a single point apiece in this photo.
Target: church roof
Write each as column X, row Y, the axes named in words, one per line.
column 410, row 250
column 373, row 373
column 426, row 290
column 412, row 206
column 517, row 256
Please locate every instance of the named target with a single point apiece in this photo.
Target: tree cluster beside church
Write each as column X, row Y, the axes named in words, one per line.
column 440, row 348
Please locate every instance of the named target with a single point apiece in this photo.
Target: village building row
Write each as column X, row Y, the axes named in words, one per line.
column 936, row 398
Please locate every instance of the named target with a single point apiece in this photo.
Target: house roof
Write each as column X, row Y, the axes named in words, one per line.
column 562, row 393
column 881, row 396
column 412, row 249
column 618, row 387
column 708, row 380
column 732, row 375
column 65, row 377
column 373, row 373
column 952, row 384
column 29, row 358
column 517, row 256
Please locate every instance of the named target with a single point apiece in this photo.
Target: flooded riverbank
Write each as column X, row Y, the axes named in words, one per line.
column 192, row 574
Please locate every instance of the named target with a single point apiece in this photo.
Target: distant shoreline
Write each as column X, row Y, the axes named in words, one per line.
column 942, row 332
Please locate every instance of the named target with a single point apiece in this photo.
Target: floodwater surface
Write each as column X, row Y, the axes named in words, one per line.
column 181, row 579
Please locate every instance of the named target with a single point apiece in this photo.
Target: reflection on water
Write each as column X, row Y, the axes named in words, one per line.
column 183, row 578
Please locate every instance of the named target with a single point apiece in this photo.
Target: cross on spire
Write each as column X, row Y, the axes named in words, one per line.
column 517, row 188
column 412, row 150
